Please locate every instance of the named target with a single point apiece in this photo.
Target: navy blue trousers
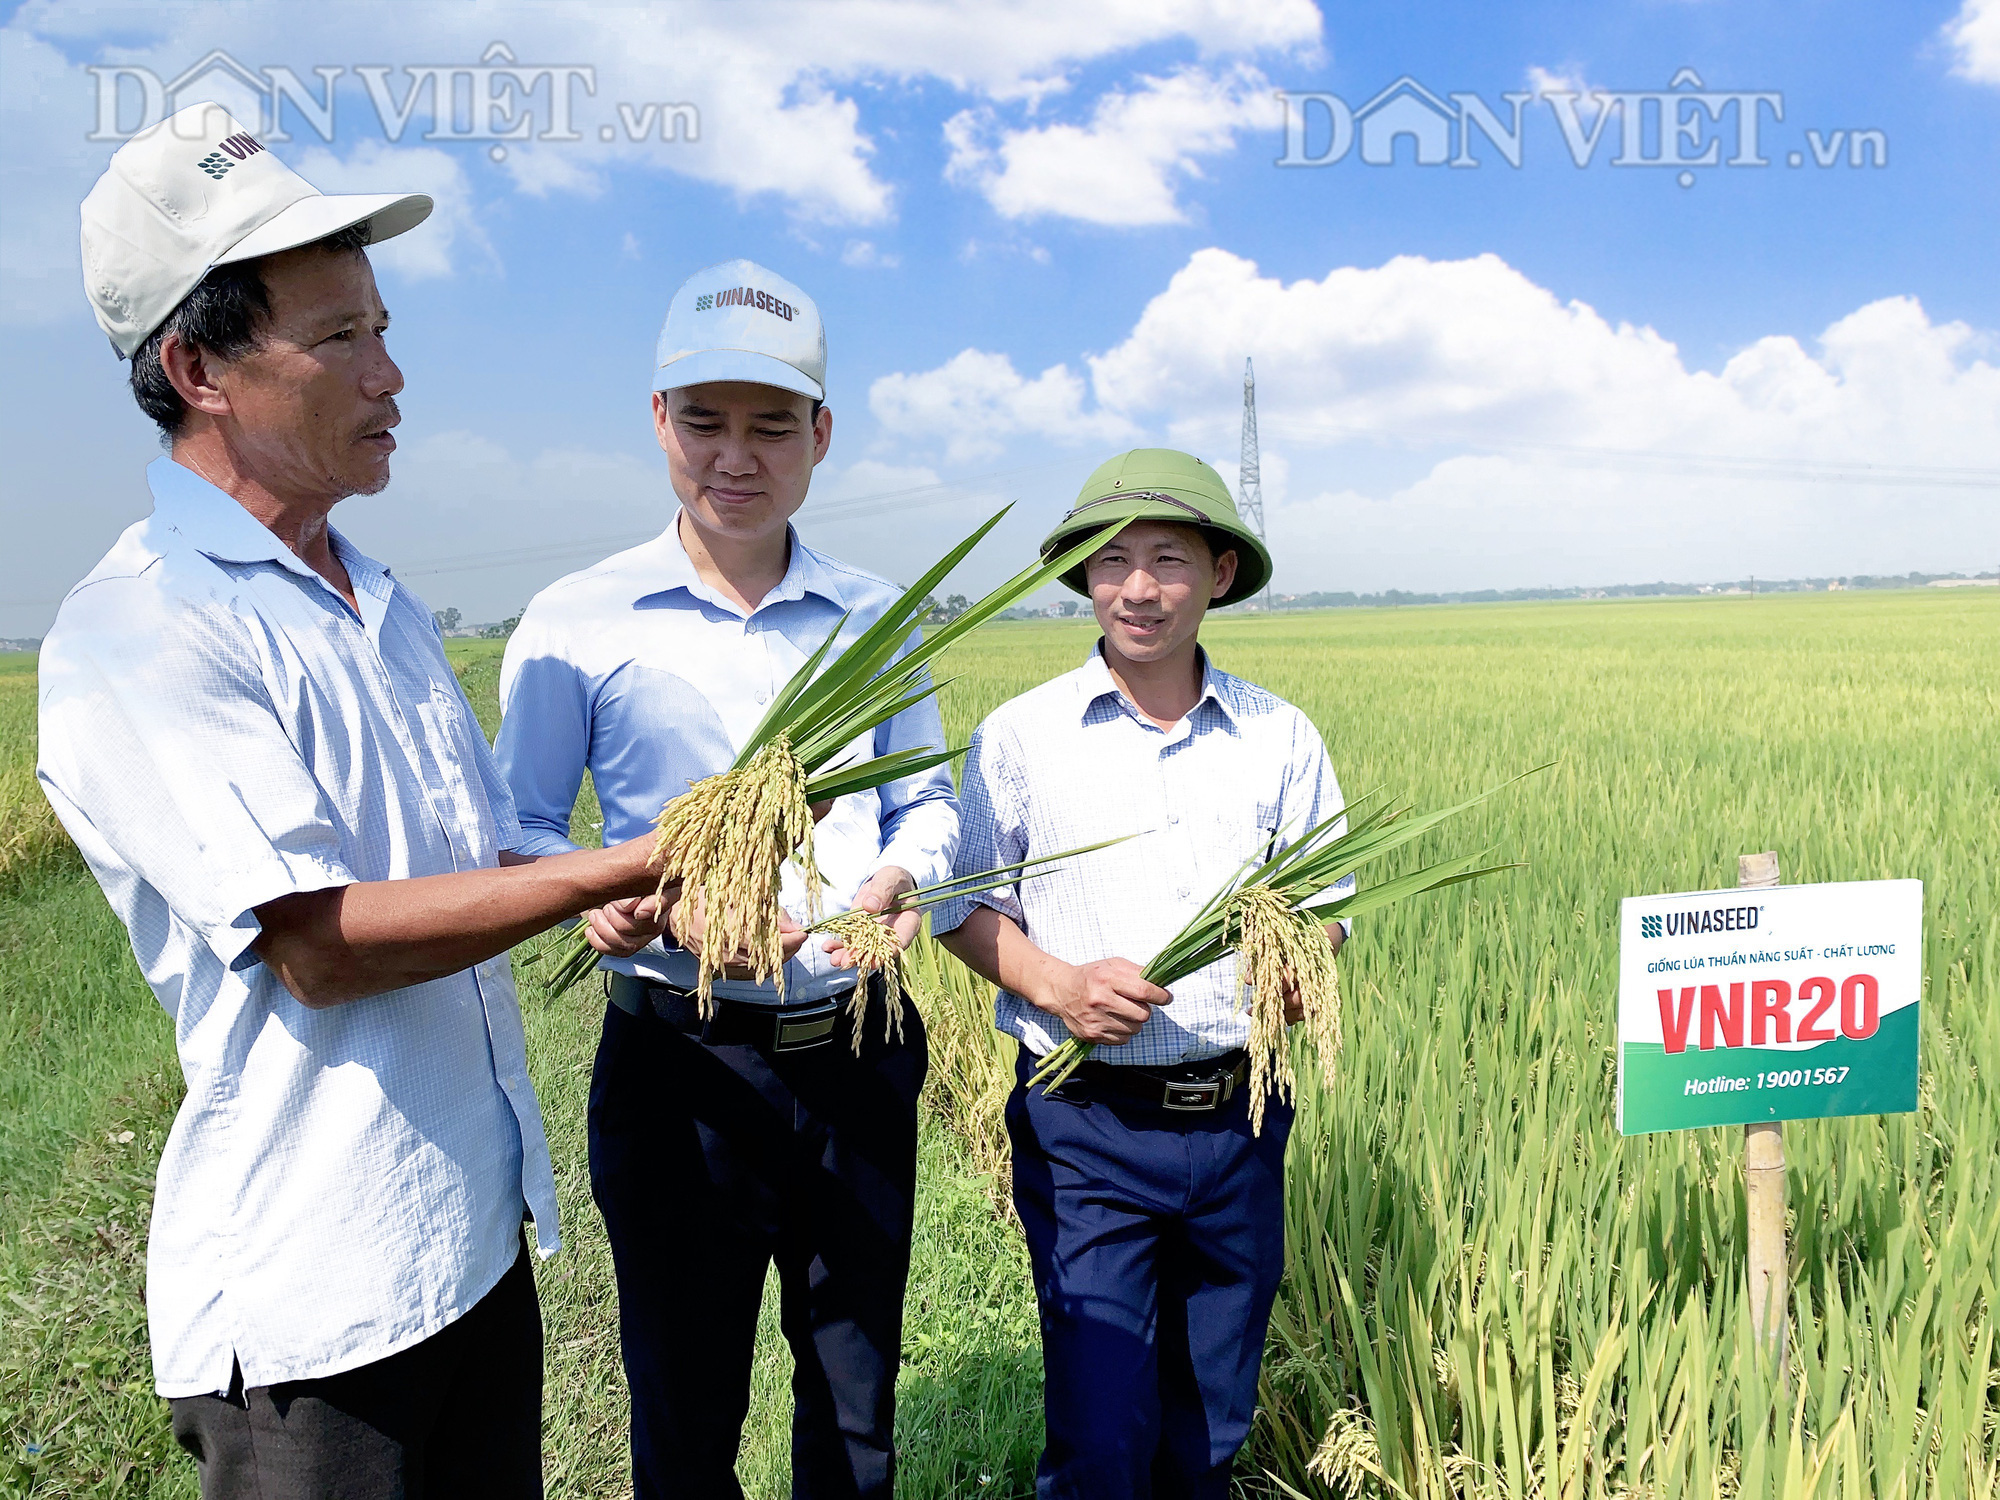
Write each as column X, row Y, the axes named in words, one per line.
column 1157, row 1240
column 708, row 1164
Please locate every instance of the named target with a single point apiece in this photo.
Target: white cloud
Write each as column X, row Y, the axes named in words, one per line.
column 1124, row 166
column 976, row 249
column 1974, row 34
column 975, row 402
column 541, row 170
column 1421, row 352
column 775, row 90
column 1452, row 424
column 864, row 255
column 1566, row 79
column 453, row 229
column 44, row 117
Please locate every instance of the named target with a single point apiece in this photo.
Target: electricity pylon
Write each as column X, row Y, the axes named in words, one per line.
column 1249, row 478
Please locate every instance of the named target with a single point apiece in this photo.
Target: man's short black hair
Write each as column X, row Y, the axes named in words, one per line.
column 224, row 316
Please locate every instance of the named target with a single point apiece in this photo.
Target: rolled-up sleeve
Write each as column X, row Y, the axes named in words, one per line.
column 162, row 748
column 544, row 742
column 918, row 814
column 993, row 829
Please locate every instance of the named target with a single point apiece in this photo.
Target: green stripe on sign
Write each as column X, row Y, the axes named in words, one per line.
column 1881, row 1079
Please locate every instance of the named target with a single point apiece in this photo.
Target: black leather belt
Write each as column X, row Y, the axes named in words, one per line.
column 735, row 1023
column 1190, row 1088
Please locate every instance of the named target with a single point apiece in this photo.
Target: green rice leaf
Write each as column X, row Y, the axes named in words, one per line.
column 877, row 771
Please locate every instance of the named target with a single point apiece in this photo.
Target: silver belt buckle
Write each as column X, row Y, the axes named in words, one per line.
column 1193, row 1097
column 814, row 1028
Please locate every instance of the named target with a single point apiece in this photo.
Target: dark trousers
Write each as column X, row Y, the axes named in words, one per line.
column 708, row 1163
column 1157, row 1239
column 456, row 1417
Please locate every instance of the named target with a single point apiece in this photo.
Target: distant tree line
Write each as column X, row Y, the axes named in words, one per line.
column 1390, row 598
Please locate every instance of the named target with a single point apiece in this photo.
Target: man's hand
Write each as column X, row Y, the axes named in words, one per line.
column 1295, row 1005
column 1105, row 1002
column 791, row 938
column 622, row 928
column 878, row 894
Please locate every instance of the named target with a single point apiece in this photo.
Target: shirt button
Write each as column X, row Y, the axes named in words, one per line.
column 1182, row 892
column 762, row 695
column 1173, row 817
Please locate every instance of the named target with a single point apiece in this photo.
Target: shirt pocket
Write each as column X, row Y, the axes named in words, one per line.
column 1240, row 832
column 450, row 728
column 446, row 725
column 1266, row 819
column 1253, row 826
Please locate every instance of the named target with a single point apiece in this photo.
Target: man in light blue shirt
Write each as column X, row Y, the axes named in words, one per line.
column 252, row 733
column 721, row 1143
column 1154, row 1212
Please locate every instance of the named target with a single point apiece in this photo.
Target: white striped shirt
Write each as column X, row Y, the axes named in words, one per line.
column 638, row 672
column 1071, row 763
column 220, row 728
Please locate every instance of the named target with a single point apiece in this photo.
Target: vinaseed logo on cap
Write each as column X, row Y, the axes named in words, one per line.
column 240, row 147
column 744, row 296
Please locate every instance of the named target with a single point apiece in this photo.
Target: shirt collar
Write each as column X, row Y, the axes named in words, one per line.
column 215, row 524
column 1095, row 682
column 670, row 568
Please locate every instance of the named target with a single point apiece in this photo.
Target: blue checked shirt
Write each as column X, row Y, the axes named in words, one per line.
column 639, row 673
column 1073, row 763
column 220, row 728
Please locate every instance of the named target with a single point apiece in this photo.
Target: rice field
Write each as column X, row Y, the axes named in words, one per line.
column 1488, row 1292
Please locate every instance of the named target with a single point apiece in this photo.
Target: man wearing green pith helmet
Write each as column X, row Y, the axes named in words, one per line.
column 1153, row 1211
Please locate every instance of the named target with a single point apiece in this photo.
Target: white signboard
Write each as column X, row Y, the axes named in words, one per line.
column 1790, row 1003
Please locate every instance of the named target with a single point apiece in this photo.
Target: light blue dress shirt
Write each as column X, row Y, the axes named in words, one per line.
column 1073, row 763
column 638, row 672
column 220, row 728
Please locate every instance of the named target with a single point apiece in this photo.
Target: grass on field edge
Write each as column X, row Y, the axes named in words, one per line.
column 78, row 1412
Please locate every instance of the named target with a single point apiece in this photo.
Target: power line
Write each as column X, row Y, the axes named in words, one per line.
column 832, row 512
column 1722, row 465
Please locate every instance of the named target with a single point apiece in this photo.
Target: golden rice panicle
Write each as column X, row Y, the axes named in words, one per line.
column 727, row 841
column 1273, row 944
column 877, row 951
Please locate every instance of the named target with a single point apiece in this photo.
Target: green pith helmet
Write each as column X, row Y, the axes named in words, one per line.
column 1163, row 484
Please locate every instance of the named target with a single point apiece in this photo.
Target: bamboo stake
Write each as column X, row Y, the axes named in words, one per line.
column 1764, row 1182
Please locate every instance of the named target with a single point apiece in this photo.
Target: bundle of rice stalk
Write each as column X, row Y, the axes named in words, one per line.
column 868, row 936
column 1273, row 915
column 727, row 838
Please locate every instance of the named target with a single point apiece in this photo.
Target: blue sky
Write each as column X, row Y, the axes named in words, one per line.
column 1045, row 231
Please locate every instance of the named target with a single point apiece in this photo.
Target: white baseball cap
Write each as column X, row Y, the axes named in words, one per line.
column 198, row 190
column 738, row 321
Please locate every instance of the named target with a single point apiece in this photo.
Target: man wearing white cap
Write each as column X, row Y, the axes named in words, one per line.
column 718, row 1145
column 252, row 733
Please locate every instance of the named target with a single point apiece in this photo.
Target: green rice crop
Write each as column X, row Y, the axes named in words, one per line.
column 1488, row 1291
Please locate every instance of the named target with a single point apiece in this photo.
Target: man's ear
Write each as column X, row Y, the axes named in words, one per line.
column 188, row 370
column 663, row 421
column 1225, row 574
column 822, row 433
